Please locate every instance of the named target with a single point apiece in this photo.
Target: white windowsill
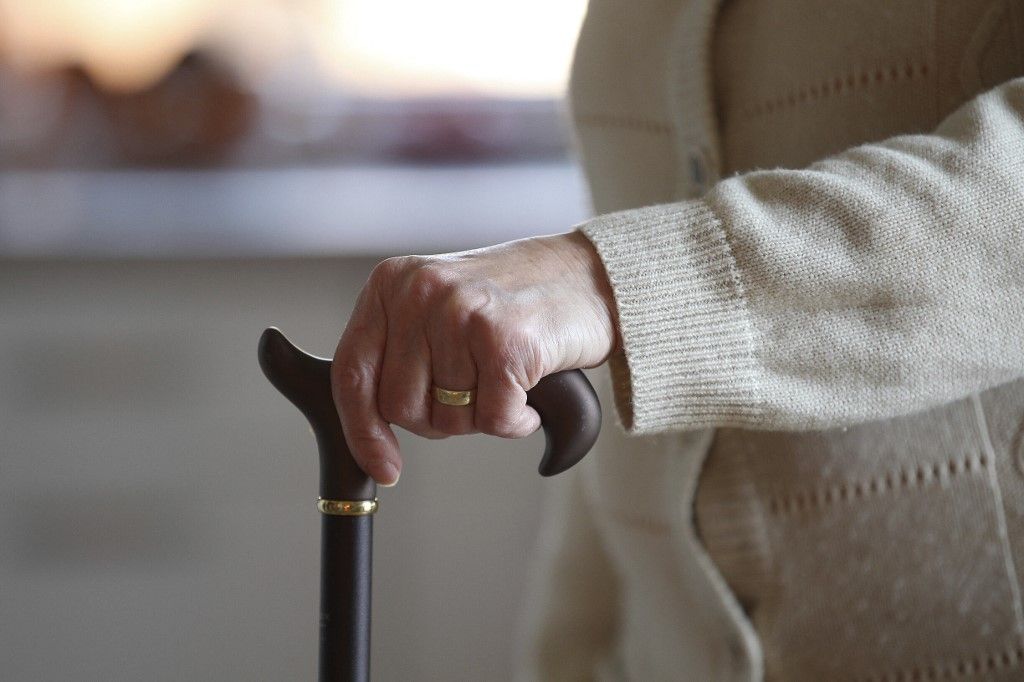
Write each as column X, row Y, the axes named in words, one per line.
column 351, row 210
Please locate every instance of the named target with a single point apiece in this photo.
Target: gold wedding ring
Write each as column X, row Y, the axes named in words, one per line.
column 456, row 398
column 346, row 507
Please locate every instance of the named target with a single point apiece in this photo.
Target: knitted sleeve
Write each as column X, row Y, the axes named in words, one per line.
column 877, row 282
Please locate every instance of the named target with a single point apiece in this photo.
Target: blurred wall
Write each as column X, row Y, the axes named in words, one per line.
column 176, row 176
column 157, row 514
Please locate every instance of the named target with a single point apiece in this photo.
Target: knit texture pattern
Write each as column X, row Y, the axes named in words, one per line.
column 687, row 338
column 813, row 298
column 812, row 222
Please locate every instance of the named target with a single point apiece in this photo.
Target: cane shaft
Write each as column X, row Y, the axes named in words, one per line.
column 345, row 570
column 568, row 408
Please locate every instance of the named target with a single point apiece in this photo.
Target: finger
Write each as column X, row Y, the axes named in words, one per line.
column 354, row 381
column 453, row 368
column 404, row 395
column 501, row 405
column 507, row 366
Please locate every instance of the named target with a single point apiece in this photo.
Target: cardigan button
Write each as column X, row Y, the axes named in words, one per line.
column 699, row 168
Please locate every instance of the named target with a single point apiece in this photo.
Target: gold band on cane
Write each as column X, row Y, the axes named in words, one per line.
column 346, row 507
column 456, row 398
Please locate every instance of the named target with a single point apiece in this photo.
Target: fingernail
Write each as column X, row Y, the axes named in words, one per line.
column 385, row 473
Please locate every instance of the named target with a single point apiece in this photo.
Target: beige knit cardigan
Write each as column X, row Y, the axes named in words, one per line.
column 811, row 216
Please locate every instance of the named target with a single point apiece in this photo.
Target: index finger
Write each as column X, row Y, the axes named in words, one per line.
column 355, row 374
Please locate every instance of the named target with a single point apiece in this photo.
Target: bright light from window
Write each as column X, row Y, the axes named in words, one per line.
column 522, row 47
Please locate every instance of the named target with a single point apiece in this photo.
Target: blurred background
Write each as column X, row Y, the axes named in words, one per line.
column 175, row 175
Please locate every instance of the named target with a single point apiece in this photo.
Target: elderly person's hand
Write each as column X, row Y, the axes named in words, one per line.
column 494, row 320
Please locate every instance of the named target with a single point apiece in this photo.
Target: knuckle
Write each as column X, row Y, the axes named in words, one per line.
column 352, row 377
column 401, row 411
column 362, row 436
column 451, row 425
column 388, row 274
column 390, row 268
column 363, row 439
column 426, row 281
column 486, row 327
column 462, row 430
column 462, row 299
column 479, row 312
column 495, row 423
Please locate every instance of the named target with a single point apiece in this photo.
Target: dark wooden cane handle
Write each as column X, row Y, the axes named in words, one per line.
column 569, row 409
column 306, row 381
column 571, row 416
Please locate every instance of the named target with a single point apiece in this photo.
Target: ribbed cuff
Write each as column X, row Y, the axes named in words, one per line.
column 688, row 342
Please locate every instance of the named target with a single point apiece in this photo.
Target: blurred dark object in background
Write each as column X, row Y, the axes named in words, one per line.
column 193, row 116
column 200, row 115
column 449, row 133
column 198, row 128
column 273, row 83
column 34, row 116
column 453, row 130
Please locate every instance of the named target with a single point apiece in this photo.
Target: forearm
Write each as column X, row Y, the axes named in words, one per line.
column 880, row 281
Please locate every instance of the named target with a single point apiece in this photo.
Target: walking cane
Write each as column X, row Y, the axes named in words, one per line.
column 571, row 417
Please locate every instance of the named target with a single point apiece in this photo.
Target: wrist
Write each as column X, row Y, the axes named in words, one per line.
column 584, row 259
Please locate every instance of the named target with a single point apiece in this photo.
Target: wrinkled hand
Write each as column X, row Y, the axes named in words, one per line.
column 495, row 320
